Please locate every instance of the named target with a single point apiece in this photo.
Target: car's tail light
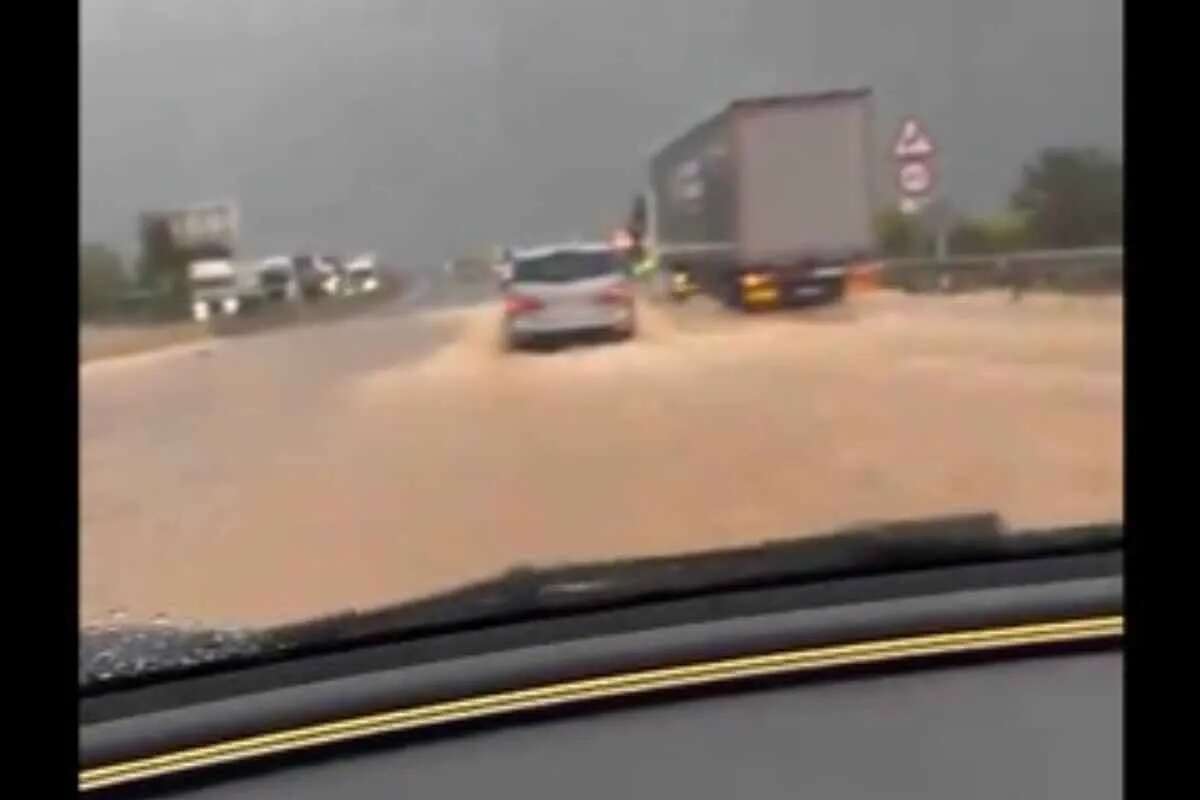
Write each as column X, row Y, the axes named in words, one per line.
column 622, row 240
column 517, row 304
column 620, row 294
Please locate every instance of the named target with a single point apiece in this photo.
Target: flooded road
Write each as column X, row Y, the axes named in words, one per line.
column 293, row 473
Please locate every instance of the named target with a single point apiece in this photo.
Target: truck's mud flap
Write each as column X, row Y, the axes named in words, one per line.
column 795, row 294
column 815, row 293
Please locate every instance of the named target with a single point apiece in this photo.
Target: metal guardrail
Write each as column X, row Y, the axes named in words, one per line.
column 1093, row 269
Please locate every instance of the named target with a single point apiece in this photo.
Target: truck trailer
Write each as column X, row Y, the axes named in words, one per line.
column 768, row 202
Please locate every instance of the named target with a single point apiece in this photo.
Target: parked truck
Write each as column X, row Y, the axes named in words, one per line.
column 277, row 279
column 222, row 286
column 362, row 274
column 768, row 202
column 319, row 276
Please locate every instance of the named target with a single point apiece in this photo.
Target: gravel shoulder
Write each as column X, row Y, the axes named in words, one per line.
column 98, row 342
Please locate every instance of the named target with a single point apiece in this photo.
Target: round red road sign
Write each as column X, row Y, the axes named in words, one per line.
column 915, row 178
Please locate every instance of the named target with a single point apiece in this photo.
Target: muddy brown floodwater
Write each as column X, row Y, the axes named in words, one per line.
column 293, row 474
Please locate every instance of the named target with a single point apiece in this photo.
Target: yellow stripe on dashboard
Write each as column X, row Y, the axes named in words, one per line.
column 629, row 683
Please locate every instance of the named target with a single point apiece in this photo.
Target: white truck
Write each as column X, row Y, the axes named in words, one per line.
column 362, row 274
column 213, row 284
column 319, row 276
column 278, row 280
column 224, row 286
column 769, row 201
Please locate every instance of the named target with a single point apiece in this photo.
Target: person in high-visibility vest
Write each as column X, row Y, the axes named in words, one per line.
column 647, row 265
column 642, row 257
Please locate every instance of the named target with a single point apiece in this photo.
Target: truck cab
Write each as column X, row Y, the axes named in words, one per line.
column 214, row 288
column 277, row 278
column 317, row 276
column 362, row 274
column 227, row 287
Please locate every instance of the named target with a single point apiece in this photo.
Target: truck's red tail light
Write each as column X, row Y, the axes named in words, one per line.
column 518, row 304
column 621, row 294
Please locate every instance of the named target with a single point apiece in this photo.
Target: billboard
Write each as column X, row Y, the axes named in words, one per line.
column 202, row 228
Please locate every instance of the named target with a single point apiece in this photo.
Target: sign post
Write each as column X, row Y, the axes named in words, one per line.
column 939, row 217
column 914, row 151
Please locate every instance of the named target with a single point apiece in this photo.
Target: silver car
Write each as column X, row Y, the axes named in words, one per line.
column 564, row 290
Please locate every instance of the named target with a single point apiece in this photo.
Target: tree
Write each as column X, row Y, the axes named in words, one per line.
column 102, row 280
column 1073, row 197
column 160, row 265
column 985, row 235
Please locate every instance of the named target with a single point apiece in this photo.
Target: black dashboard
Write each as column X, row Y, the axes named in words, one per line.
column 1049, row 727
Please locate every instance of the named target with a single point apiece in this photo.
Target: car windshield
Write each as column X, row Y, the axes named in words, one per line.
column 871, row 271
column 560, row 267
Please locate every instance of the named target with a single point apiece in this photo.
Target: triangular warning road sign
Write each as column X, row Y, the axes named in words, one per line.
column 913, row 141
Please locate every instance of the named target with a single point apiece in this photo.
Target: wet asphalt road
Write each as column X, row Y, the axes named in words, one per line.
column 284, row 474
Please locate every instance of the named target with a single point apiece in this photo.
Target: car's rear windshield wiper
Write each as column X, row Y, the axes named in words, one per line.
column 524, row 594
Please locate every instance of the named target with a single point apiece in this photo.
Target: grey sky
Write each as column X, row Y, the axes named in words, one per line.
column 426, row 126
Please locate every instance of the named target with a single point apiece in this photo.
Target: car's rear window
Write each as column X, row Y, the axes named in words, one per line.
column 564, row 267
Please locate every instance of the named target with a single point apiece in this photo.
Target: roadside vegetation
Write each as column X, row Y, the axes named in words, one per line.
column 1066, row 197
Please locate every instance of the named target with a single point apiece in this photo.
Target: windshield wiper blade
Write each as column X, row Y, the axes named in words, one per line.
column 111, row 660
column 528, row 593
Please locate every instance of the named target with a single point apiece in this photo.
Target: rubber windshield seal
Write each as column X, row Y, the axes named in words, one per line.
column 278, row 709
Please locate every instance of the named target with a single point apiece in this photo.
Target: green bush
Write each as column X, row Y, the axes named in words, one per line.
column 1004, row 233
column 900, row 235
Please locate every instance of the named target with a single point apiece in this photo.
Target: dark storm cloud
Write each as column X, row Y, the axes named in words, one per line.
column 423, row 127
